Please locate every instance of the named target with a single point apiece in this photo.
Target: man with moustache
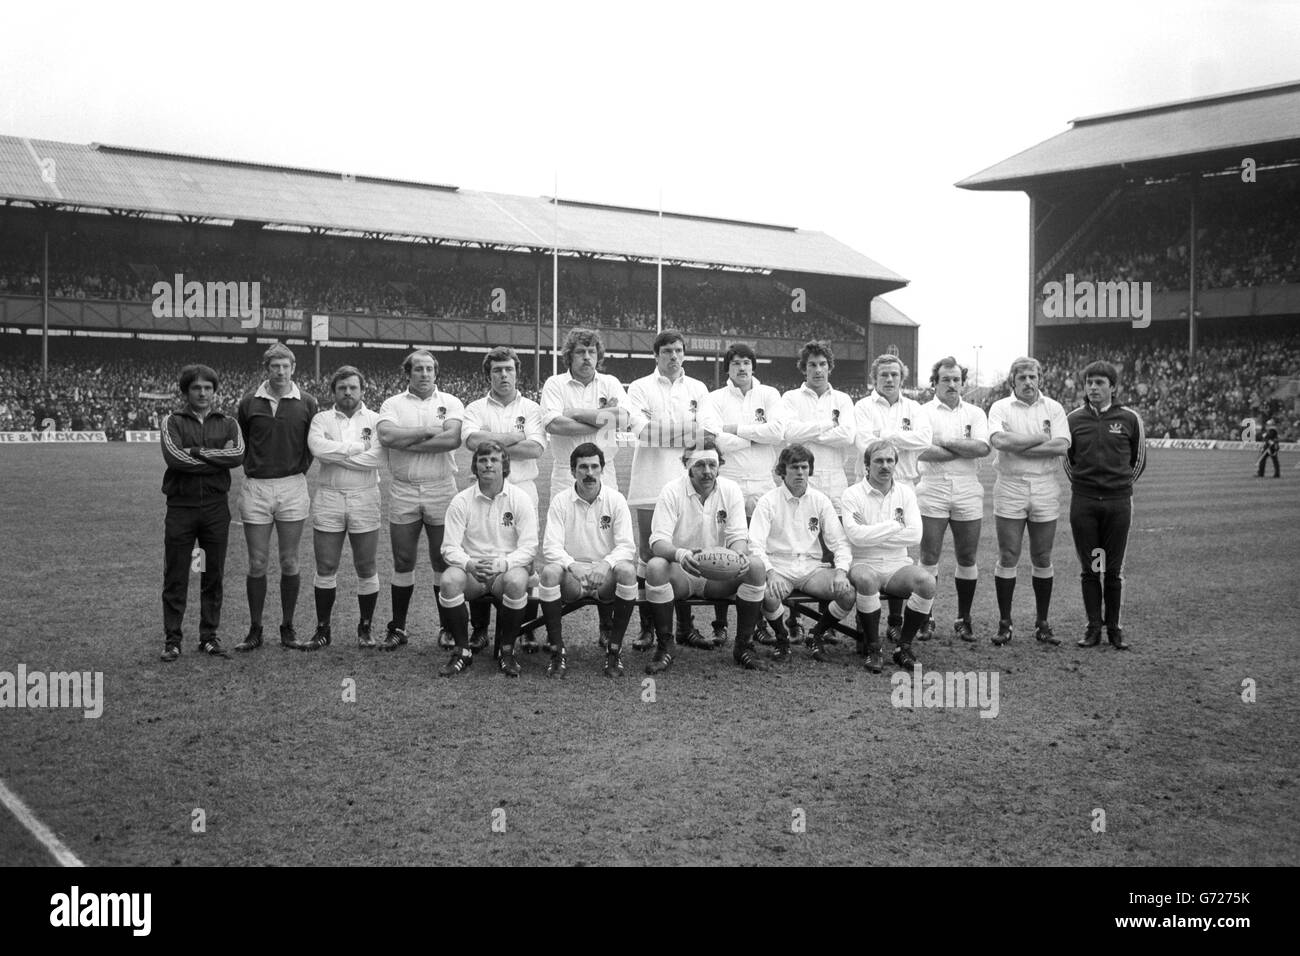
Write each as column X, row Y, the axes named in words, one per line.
column 665, row 407
column 345, row 440
column 590, row 551
column 420, row 428
column 950, row 493
column 585, row 405
column 1029, row 432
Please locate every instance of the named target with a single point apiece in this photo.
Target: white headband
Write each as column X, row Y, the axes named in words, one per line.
column 702, row 454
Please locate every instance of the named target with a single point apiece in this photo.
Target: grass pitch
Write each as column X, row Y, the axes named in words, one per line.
column 722, row 767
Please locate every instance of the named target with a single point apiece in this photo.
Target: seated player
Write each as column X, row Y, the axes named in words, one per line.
column 881, row 520
column 785, row 537
column 489, row 545
column 696, row 511
column 590, row 551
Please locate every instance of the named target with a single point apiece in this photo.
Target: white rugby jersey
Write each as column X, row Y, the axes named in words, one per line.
column 338, row 443
column 483, row 527
column 871, row 521
column 824, row 423
column 785, row 529
column 903, row 423
column 950, row 424
column 655, row 399
column 687, row 522
column 523, row 417
column 407, row 410
column 759, row 416
column 1012, row 415
column 578, row 531
column 564, row 391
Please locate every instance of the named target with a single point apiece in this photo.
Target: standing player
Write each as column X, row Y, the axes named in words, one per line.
column 590, row 551
column 889, row 414
column 701, row 510
column 420, row 427
column 345, row 440
column 786, row 538
column 489, row 547
column 881, row 521
column 584, row 405
column 747, row 420
column 665, row 404
column 513, row 421
column 1107, row 455
column 275, row 419
column 950, row 492
column 200, row 446
column 1029, row 431
column 1271, row 447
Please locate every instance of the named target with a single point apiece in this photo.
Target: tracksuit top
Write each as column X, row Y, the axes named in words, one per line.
column 1108, row 451
column 193, row 480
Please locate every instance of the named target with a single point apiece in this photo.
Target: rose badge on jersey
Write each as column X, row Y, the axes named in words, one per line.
column 508, row 520
column 760, row 416
column 722, row 516
column 1047, row 425
column 606, row 522
column 835, row 416
column 813, row 525
column 907, row 425
column 519, row 424
column 898, row 515
column 967, row 432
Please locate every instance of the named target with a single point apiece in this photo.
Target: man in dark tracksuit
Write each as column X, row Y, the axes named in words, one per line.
column 200, row 446
column 1107, row 454
column 1270, row 451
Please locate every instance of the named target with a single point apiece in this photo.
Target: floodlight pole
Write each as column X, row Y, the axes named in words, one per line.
column 45, row 311
column 1191, row 274
column 555, row 285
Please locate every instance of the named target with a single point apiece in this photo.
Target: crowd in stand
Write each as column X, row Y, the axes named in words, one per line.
column 115, row 385
column 1248, row 234
column 375, row 280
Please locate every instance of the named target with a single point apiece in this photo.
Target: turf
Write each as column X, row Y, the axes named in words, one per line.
column 715, row 770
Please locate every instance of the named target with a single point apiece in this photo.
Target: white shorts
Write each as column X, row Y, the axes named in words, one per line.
column 797, row 575
column 356, row 511
column 959, row 498
column 882, row 568
column 1036, row 497
column 425, row 501
column 266, row 500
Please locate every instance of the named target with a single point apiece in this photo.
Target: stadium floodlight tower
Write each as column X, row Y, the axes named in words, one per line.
column 1172, row 167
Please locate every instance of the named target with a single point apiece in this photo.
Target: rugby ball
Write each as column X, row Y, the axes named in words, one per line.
column 720, row 564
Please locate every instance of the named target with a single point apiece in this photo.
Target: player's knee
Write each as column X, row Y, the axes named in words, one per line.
column 923, row 584
column 289, row 564
column 257, row 565
column 863, row 581
column 625, row 573
column 327, row 568
column 657, row 572
column 755, row 574
column 516, row 582
column 551, row 576
column 453, row 582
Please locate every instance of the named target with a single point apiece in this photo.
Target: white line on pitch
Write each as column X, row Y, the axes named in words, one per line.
column 44, row 834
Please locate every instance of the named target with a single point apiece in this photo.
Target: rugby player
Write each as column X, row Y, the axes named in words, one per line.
column 488, row 546
column 786, row 538
column 747, row 420
column 345, row 440
column 275, row 419
column 665, row 407
column 420, row 428
column 881, row 521
column 505, row 416
column 950, row 492
column 585, row 405
column 1029, row 432
column 700, row 510
column 201, row 446
column 590, row 551
column 1107, row 455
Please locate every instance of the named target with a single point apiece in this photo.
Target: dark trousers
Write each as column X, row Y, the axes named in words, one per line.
column 1263, row 460
column 1101, row 524
column 209, row 525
